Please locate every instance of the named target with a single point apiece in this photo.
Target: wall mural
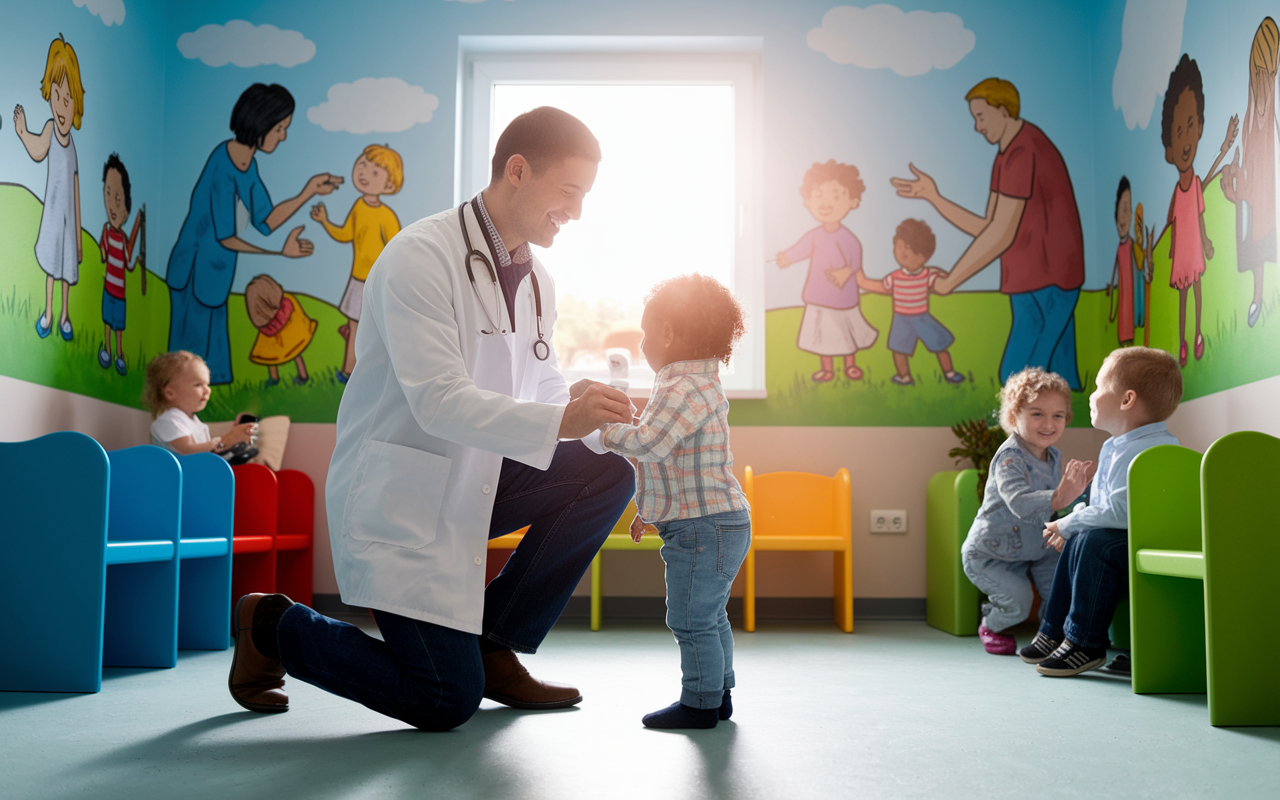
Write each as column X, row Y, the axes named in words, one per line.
column 842, row 353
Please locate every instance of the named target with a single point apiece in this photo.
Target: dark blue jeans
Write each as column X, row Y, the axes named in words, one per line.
column 1092, row 575
column 431, row 676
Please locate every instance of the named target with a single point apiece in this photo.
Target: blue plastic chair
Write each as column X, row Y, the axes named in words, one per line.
column 204, row 586
column 52, row 562
column 141, row 620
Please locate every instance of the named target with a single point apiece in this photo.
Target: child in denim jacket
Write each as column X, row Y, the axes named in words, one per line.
column 685, row 485
column 1004, row 552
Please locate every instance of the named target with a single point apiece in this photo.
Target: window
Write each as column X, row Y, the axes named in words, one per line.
column 677, row 190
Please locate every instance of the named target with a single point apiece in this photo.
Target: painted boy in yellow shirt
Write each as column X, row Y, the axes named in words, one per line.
column 369, row 226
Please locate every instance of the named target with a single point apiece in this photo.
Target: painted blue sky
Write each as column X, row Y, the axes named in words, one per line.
column 164, row 113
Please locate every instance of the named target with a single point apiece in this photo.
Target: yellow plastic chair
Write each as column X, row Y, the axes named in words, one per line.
column 619, row 539
column 802, row 511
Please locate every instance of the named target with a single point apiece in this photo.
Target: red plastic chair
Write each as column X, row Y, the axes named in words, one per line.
column 253, row 567
column 295, row 535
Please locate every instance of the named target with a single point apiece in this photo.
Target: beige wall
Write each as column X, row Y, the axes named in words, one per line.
column 890, row 468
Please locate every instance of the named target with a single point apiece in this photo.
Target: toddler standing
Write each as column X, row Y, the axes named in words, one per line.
column 176, row 388
column 685, row 485
column 1004, row 552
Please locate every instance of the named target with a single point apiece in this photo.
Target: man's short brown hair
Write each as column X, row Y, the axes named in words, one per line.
column 544, row 136
column 1152, row 374
column 916, row 234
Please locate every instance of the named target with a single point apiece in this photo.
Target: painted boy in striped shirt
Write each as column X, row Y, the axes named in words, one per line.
column 116, row 252
column 913, row 245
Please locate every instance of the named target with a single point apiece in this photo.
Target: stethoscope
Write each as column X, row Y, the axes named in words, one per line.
column 541, row 350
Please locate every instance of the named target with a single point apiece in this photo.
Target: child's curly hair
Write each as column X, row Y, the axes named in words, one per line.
column 701, row 311
column 1023, row 388
column 844, row 174
column 163, row 369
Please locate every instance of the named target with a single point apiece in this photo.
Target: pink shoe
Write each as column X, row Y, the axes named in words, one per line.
column 1199, row 347
column 997, row 644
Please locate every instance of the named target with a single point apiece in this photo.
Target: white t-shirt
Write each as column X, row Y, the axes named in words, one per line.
column 174, row 424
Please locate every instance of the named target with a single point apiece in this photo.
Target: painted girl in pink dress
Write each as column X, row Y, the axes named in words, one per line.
column 1181, row 125
column 1251, row 185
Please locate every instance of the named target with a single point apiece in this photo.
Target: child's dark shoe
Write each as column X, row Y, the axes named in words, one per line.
column 678, row 715
column 997, row 644
column 1070, row 659
column 1040, row 648
column 726, row 706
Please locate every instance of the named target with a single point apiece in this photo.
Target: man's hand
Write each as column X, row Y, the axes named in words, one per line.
column 1052, row 537
column 923, row 187
column 637, row 529
column 576, row 390
column 319, row 213
column 1075, row 477
column 597, row 405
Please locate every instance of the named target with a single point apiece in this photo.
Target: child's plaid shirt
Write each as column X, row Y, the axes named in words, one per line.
column 680, row 446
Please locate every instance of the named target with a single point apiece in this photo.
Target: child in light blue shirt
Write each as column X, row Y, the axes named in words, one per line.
column 1138, row 389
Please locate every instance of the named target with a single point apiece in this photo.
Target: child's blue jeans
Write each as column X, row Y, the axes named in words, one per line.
column 1091, row 576
column 703, row 555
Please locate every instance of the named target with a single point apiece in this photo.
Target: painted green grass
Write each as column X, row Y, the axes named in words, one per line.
column 73, row 366
column 980, row 322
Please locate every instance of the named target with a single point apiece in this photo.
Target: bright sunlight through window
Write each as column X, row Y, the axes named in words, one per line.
column 662, row 206
column 675, row 192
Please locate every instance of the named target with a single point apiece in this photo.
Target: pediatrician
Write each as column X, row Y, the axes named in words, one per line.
column 456, row 426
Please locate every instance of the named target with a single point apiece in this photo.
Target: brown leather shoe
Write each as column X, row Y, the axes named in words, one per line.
column 507, row 681
column 256, row 681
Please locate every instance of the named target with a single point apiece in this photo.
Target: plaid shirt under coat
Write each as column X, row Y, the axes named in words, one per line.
column 680, row 446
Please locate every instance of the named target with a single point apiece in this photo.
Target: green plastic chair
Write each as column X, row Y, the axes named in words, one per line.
column 1166, row 609
column 953, row 602
column 1199, row 597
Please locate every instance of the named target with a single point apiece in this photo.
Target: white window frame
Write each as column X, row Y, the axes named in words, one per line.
column 484, row 61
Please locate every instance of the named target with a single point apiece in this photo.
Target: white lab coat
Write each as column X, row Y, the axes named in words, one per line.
column 430, row 411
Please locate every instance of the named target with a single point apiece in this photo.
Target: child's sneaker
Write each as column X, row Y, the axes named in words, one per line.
column 1071, row 659
column 1040, row 648
column 997, row 644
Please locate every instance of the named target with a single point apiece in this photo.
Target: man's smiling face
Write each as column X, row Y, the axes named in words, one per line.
column 545, row 201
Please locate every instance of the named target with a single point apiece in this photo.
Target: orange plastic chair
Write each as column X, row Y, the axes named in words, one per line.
column 802, row 511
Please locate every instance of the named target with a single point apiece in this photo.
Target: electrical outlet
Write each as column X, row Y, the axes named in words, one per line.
column 891, row 521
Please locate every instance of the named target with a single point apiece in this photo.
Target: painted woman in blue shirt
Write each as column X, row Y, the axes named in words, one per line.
column 202, row 265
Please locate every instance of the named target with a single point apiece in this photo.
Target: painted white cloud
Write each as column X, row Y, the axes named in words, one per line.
column 1150, row 45
column 111, row 12
column 374, row 105
column 246, row 45
column 886, row 37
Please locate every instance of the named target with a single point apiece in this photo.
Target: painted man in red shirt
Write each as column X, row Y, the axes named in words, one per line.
column 1031, row 224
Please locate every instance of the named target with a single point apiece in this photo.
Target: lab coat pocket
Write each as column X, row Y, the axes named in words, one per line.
column 398, row 495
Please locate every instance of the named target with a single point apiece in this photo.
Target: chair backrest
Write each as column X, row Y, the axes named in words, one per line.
column 296, row 506
column 798, row 503
column 146, row 495
column 53, row 540
column 1164, row 499
column 208, row 496
column 257, row 500
column 1240, row 481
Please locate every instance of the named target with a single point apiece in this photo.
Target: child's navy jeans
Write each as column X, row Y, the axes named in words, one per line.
column 703, row 555
column 1092, row 574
